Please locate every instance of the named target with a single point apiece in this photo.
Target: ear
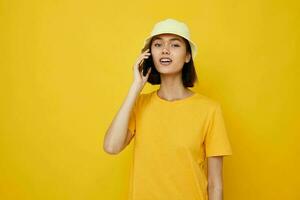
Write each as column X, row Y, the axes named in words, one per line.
column 188, row 57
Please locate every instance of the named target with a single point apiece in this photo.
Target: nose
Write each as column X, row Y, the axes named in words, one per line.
column 165, row 50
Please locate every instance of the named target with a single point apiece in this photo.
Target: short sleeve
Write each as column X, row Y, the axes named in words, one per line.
column 216, row 140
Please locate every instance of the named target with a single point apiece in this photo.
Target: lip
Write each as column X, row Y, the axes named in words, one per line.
column 165, row 63
column 166, row 58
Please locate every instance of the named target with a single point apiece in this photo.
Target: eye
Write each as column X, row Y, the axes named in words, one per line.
column 176, row 45
column 156, row 44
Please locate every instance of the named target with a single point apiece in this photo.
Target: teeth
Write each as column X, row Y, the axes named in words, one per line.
column 165, row 60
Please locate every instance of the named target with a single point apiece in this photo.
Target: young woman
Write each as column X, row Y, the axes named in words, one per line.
column 180, row 135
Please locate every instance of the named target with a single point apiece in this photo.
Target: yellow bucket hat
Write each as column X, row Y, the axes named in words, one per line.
column 175, row 27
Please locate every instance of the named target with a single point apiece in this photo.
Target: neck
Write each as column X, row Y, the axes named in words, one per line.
column 172, row 88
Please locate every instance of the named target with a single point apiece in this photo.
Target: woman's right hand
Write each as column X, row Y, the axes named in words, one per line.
column 139, row 79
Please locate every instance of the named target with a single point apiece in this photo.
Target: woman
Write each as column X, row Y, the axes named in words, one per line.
column 180, row 135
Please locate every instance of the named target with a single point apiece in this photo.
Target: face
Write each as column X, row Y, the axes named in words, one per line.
column 169, row 53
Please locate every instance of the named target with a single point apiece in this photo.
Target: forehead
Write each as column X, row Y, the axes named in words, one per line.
column 168, row 37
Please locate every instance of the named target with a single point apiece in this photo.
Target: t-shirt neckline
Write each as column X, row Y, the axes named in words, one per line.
column 174, row 101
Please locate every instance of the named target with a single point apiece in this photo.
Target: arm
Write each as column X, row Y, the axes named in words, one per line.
column 215, row 178
column 117, row 136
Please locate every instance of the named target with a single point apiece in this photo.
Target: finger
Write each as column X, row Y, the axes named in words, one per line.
column 147, row 50
column 140, row 60
column 149, row 71
column 143, row 56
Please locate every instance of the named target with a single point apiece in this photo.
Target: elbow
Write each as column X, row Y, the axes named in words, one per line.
column 110, row 150
column 110, row 146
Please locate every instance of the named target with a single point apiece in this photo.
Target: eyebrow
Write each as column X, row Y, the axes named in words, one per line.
column 172, row 39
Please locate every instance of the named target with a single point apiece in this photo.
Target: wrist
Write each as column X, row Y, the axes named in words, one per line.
column 136, row 85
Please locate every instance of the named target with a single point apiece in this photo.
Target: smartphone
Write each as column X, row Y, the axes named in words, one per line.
column 147, row 64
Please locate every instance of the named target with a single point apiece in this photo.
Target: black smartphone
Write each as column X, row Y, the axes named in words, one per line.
column 147, row 64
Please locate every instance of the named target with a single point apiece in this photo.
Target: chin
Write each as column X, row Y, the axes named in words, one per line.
column 168, row 71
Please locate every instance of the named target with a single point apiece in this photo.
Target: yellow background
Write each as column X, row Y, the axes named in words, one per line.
column 66, row 69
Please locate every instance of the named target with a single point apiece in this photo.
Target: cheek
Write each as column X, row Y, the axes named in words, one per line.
column 180, row 55
column 155, row 55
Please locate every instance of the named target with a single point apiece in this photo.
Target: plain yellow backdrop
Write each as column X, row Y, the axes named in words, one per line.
column 66, row 67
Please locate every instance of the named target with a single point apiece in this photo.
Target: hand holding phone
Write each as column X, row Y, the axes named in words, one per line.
column 142, row 65
column 147, row 64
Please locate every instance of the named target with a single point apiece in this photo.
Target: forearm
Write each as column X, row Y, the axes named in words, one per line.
column 215, row 193
column 115, row 136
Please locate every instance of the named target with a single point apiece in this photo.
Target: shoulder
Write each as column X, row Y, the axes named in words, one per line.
column 143, row 97
column 206, row 101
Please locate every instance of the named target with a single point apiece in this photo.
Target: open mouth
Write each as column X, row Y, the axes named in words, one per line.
column 165, row 61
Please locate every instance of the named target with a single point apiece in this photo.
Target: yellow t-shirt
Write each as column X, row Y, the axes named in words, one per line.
column 172, row 142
